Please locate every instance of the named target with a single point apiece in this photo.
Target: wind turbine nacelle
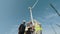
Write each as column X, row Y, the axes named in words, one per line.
column 29, row 7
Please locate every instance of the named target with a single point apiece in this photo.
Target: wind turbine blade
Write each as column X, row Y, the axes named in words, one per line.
column 35, row 4
column 54, row 9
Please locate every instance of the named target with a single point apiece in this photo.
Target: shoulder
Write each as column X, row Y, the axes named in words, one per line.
column 21, row 24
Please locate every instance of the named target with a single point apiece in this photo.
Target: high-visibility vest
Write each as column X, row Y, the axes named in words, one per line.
column 37, row 28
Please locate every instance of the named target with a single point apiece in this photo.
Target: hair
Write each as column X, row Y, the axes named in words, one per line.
column 24, row 22
column 29, row 28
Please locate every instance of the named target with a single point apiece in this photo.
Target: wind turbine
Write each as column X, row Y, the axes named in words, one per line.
column 30, row 8
column 55, row 9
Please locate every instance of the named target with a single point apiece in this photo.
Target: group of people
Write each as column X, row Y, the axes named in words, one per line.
column 22, row 29
column 29, row 28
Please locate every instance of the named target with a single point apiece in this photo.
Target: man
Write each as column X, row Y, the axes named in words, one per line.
column 38, row 28
column 29, row 31
column 22, row 28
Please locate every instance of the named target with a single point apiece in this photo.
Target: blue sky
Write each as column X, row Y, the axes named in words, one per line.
column 12, row 12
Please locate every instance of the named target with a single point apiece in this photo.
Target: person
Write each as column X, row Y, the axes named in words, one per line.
column 38, row 28
column 22, row 28
column 29, row 31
